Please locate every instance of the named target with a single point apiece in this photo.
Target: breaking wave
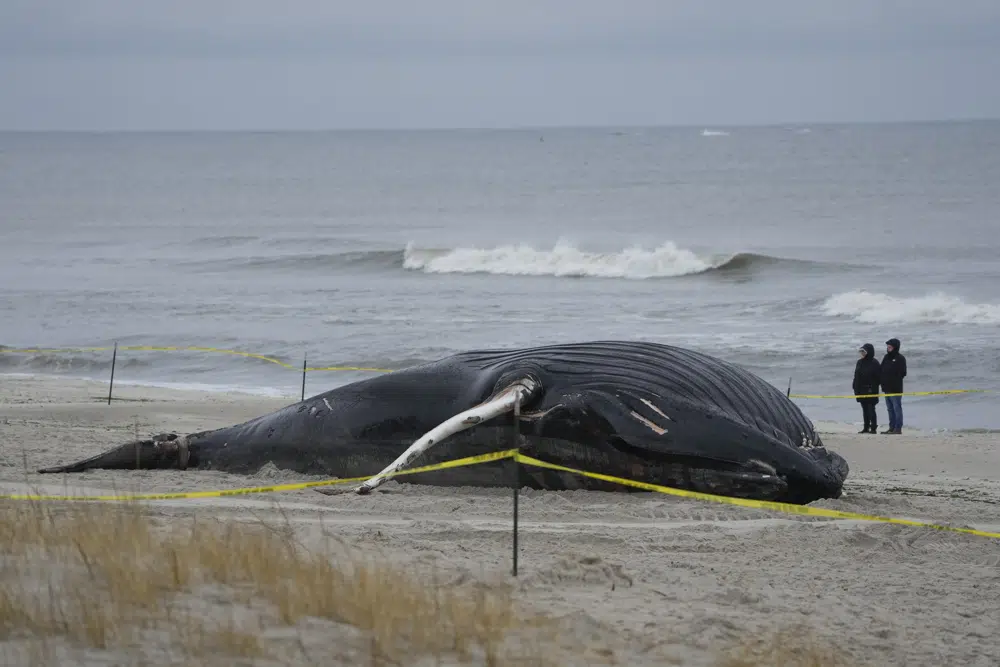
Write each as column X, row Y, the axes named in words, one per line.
column 566, row 260
column 935, row 308
column 562, row 260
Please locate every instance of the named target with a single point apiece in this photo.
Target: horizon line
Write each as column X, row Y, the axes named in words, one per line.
column 497, row 128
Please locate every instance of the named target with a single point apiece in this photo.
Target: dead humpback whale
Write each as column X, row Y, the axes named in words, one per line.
column 644, row 411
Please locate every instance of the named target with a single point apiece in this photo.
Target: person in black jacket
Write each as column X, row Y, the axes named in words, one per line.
column 893, row 370
column 866, row 380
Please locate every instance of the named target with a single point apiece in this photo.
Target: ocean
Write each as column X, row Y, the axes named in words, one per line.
column 779, row 248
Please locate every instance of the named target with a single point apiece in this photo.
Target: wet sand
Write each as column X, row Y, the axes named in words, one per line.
column 663, row 580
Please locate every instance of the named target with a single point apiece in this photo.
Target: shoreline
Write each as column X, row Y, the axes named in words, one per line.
column 823, row 427
column 661, row 578
column 243, row 390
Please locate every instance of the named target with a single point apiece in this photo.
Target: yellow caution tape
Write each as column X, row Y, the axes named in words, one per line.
column 457, row 463
column 745, row 502
column 218, row 350
column 907, row 393
column 527, row 460
column 365, row 369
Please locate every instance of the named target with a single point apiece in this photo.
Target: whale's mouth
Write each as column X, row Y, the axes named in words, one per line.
column 508, row 400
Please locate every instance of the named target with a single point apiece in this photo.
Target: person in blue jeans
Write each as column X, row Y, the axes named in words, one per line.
column 891, row 373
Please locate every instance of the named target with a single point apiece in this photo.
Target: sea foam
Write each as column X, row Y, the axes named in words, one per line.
column 934, row 308
column 563, row 259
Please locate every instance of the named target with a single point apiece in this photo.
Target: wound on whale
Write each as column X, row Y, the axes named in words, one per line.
column 644, row 411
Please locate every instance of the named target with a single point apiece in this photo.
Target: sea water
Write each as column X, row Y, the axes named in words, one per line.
column 779, row 248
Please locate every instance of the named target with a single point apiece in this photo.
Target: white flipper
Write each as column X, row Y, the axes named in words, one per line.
column 503, row 402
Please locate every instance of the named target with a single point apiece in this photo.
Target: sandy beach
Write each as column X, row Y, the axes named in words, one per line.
column 651, row 578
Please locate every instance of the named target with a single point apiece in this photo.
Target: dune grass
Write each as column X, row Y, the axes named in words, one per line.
column 150, row 590
column 112, row 577
column 788, row 647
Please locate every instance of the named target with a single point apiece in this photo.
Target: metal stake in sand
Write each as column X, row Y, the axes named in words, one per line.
column 111, row 384
column 304, row 377
column 516, row 472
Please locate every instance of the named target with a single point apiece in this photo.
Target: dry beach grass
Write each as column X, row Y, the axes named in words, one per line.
column 420, row 576
column 115, row 579
column 110, row 577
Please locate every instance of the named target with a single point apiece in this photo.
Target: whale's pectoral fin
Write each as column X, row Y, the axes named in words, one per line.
column 504, row 401
column 629, row 416
column 712, row 456
column 167, row 450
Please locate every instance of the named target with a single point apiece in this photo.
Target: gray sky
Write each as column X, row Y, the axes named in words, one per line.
column 316, row 64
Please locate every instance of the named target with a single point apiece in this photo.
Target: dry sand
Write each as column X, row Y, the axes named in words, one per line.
column 660, row 580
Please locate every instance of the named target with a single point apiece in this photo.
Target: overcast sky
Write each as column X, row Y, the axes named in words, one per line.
column 316, row 64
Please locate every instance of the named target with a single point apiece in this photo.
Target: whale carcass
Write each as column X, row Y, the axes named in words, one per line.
column 644, row 411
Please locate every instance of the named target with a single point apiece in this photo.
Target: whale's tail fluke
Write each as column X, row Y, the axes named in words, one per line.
column 167, row 450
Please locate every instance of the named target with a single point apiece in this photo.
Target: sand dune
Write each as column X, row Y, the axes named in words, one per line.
column 633, row 578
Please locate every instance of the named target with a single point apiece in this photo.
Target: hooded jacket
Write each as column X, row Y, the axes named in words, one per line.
column 893, row 369
column 866, row 375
